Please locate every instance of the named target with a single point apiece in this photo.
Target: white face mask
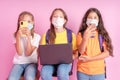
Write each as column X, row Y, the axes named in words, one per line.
column 58, row 22
column 92, row 21
column 30, row 26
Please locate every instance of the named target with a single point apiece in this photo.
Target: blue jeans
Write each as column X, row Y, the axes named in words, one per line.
column 62, row 71
column 28, row 69
column 83, row 76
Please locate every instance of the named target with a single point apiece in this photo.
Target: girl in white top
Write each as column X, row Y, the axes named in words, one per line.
column 26, row 44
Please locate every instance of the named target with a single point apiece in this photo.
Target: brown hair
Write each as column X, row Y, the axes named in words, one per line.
column 52, row 34
column 101, row 29
column 21, row 16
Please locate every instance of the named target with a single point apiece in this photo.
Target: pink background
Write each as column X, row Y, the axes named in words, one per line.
column 41, row 9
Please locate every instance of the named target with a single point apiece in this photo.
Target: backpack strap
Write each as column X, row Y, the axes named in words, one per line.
column 101, row 42
column 69, row 35
column 47, row 36
column 102, row 49
column 69, row 38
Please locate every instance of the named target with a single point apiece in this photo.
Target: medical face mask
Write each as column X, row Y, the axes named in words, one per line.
column 58, row 22
column 30, row 26
column 92, row 21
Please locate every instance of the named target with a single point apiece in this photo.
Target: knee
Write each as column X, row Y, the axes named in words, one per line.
column 62, row 74
column 45, row 73
column 11, row 78
column 29, row 78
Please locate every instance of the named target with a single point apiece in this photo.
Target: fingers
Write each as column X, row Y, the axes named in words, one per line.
column 90, row 31
column 25, row 31
column 84, row 58
column 91, row 28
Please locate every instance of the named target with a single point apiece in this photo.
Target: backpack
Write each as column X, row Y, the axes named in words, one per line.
column 69, row 39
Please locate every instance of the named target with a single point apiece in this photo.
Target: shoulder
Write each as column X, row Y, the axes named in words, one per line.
column 70, row 31
column 37, row 35
column 79, row 35
column 44, row 35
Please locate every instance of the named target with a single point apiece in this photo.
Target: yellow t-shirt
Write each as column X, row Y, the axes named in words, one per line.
column 61, row 38
column 92, row 49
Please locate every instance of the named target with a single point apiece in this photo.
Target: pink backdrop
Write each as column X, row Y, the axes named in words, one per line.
column 10, row 9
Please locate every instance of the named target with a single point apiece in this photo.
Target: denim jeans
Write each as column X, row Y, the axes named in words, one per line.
column 62, row 71
column 28, row 69
column 83, row 76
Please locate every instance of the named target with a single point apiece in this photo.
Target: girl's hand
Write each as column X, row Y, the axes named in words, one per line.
column 19, row 33
column 84, row 58
column 26, row 31
column 90, row 31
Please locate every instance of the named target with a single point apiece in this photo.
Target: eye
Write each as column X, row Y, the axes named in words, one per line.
column 89, row 17
column 55, row 16
column 95, row 17
column 29, row 21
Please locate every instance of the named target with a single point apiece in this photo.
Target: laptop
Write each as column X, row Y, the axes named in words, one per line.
column 55, row 53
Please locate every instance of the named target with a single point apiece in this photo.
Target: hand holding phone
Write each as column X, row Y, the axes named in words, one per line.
column 24, row 25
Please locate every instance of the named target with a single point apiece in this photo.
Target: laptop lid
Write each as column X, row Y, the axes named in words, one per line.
column 55, row 53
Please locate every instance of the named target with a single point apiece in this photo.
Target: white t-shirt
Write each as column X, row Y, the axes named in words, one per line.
column 23, row 59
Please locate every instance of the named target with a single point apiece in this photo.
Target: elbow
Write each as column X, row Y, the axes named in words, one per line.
column 19, row 53
column 28, row 53
column 80, row 52
column 107, row 53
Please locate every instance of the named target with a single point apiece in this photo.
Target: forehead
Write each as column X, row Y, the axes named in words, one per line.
column 26, row 17
column 58, row 12
column 92, row 14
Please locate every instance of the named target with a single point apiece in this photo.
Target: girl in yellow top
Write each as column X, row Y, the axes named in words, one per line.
column 91, row 64
column 57, row 35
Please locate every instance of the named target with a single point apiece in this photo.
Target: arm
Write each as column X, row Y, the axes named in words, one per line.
column 29, row 48
column 82, row 40
column 102, row 55
column 74, row 47
column 18, row 43
column 43, row 40
column 82, row 46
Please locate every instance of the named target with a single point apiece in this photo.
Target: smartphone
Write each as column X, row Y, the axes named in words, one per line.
column 23, row 24
column 26, row 24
